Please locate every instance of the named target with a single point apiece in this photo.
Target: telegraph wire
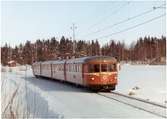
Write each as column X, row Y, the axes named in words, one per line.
column 132, row 27
column 126, row 20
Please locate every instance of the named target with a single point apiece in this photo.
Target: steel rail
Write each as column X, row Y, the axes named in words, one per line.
column 139, row 99
column 151, row 107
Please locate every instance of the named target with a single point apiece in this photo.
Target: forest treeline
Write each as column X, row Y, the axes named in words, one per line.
column 147, row 49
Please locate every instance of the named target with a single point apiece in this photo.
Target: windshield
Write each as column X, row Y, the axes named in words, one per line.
column 93, row 68
column 112, row 67
column 103, row 67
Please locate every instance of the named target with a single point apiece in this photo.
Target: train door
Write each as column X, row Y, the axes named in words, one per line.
column 84, row 71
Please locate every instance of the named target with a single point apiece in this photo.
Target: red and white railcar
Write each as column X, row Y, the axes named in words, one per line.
column 95, row 72
column 37, row 69
column 58, row 70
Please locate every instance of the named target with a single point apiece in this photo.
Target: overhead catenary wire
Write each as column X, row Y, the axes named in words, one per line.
column 113, row 13
column 125, row 20
column 132, row 27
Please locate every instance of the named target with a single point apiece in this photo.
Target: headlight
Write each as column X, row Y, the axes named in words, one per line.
column 104, row 77
column 93, row 78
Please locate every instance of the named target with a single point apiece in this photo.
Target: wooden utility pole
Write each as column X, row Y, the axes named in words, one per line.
column 73, row 27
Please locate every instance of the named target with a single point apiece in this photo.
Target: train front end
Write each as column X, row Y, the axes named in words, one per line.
column 102, row 74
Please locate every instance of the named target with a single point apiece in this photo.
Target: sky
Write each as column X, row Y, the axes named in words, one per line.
column 32, row 20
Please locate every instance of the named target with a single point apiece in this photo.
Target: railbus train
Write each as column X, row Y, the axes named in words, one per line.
column 95, row 72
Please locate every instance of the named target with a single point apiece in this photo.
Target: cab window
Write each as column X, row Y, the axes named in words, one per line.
column 111, row 67
column 94, row 68
column 103, row 67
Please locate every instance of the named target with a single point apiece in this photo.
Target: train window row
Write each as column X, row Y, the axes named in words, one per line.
column 60, row 67
column 74, row 67
column 36, row 67
column 102, row 68
column 46, row 66
column 69, row 67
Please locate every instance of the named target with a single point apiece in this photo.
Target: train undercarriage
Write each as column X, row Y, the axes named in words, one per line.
column 102, row 87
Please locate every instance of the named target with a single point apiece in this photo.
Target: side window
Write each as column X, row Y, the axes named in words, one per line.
column 96, row 68
column 55, row 67
column 70, row 67
column 58, row 67
column 112, row 67
column 66, row 68
column 79, row 68
column 103, row 67
column 62, row 68
column 76, row 67
column 73, row 69
column 90, row 68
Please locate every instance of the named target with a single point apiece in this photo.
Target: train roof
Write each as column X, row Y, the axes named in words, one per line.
column 36, row 62
column 90, row 58
column 80, row 60
column 54, row 62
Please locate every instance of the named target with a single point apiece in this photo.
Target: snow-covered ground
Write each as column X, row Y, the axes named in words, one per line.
column 144, row 81
column 51, row 99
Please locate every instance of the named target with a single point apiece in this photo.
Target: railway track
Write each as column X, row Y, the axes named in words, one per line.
column 151, row 107
column 141, row 104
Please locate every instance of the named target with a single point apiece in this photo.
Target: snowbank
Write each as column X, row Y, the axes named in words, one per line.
column 143, row 81
column 49, row 99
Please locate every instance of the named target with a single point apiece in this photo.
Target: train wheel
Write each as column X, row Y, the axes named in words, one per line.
column 36, row 76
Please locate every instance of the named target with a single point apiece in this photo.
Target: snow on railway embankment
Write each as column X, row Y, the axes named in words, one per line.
column 12, row 92
column 21, row 98
column 48, row 99
column 18, row 99
column 143, row 81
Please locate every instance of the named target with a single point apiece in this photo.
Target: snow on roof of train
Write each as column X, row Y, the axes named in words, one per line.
column 58, row 61
column 36, row 62
column 78, row 60
column 54, row 62
column 85, row 59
